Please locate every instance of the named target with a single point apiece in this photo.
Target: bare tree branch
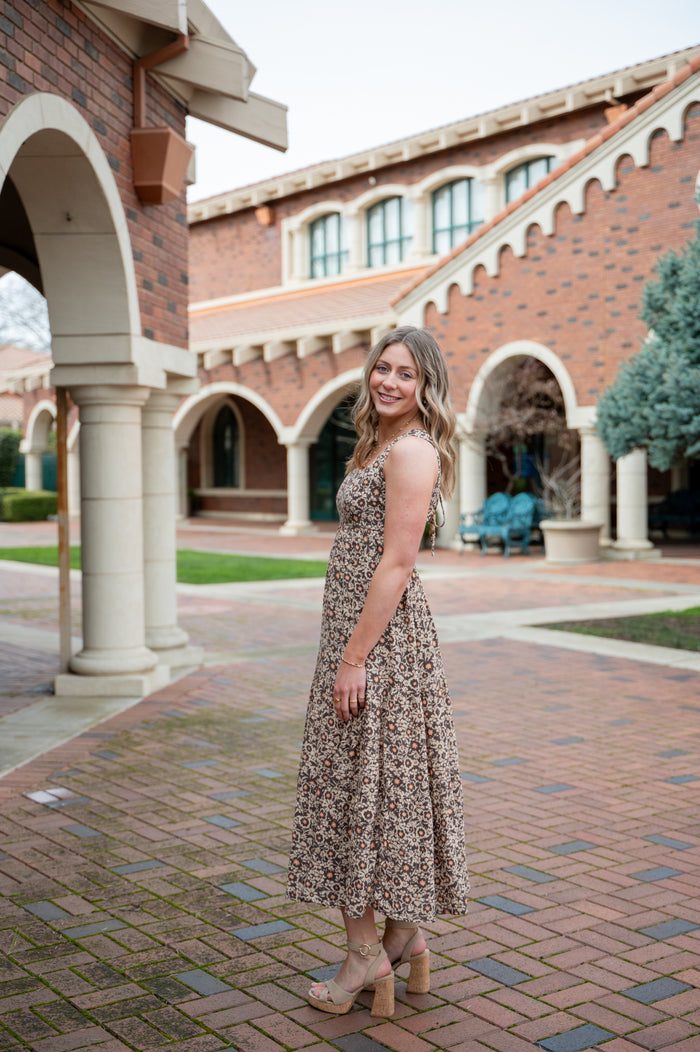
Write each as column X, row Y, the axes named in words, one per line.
column 24, row 318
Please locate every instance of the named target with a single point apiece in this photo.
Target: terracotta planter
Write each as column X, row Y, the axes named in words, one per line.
column 160, row 157
column 570, row 541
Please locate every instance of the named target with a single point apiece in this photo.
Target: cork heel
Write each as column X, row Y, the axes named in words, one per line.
column 383, row 1000
column 419, row 975
column 419, row 963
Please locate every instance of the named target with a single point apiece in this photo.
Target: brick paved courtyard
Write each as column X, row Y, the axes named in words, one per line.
column 142, row 863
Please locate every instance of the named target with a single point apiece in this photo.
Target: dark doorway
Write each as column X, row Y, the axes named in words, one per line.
column 328, row 458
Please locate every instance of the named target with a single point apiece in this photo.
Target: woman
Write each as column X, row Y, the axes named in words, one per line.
column 379, row 818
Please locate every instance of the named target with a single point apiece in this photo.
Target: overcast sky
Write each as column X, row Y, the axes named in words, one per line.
column 359, row 75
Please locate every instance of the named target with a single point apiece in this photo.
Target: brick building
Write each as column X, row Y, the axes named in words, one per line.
column 93, row 163
column 528, row 231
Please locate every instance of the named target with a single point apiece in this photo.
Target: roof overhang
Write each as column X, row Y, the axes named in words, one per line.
column 603, row 90
column 211, row 78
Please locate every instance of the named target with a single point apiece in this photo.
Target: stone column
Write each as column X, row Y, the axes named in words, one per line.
column 159, row 539
column 632, row 514
column 472, row 473
column 74, row 480
column 356, row 262
column 492, row 191
column 183, row 499
column 471, row 480
column 595, row 482
column 422, row 228
column 299, row 254
column 33, row 475
column 114, row 654
column 298, row 520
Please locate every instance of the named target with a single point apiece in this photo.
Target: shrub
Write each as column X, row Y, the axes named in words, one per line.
column 9, row 454
column 34, row 506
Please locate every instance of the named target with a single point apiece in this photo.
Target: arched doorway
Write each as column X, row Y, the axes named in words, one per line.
column 485, row 398
column 327, row 460
column 231, row 460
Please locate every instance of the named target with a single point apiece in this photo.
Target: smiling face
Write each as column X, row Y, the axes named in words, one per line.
column 392, row 385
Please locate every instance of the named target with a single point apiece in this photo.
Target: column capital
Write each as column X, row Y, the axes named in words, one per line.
column 110, row 394
column 162, row 401
column 296, row 443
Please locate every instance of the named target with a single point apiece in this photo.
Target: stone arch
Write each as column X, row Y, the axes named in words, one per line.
column 41, row 420
column 318, row 408
column 473, row 481
column 35, row 443
column 199, row 409
column 520, row 349
column 50, row 156
column 72, row 223
column 193, row 409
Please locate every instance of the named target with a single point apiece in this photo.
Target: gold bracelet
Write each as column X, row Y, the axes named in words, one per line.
column 354, row 665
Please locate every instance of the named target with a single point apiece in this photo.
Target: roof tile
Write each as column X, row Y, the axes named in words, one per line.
column 337, row 303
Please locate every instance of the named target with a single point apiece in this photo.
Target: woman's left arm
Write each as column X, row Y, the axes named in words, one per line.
column 410, row 472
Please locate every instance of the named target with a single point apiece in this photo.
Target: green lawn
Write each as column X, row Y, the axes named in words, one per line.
column 195, row 567
column 679, row 629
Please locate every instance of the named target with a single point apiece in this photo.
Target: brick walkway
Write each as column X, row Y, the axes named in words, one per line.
column 143, row 863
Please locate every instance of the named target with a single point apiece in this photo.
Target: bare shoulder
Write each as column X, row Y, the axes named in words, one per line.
column 412, row 455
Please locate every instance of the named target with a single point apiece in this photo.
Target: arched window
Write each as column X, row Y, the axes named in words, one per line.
column 225, row 452
column 525, row 175
column 389, row 231
column 458, row 209
column 328, row 245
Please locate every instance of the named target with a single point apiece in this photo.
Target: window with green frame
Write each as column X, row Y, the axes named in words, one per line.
column 389, row 231
column 328, row 245
column 458, row 209
column 525, row 175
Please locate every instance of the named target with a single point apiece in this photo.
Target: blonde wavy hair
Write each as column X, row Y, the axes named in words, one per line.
column 432, row 395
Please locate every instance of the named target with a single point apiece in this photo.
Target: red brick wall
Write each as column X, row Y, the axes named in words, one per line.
column 288, row 383
column 235, row 254
column 30, row 399
column 265, row 458
column 52, row 46
column 578, row 292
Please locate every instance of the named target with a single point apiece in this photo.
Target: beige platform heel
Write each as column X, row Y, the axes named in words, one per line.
column 340, row 1001
column 419, row 974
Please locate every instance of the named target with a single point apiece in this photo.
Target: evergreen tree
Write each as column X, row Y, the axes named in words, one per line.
column 654, row 402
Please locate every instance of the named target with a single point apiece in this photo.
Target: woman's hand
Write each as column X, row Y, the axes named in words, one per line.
column 349, row 691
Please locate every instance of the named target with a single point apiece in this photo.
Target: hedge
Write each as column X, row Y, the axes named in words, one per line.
column 32, row 506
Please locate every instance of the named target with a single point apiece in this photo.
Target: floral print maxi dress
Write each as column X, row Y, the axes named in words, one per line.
column 379, row 816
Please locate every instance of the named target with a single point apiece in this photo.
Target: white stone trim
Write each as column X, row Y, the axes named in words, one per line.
column 313, row 416
column 275, row 343
column 223, row 491
column 520, row 114
column 43, row 111
column 38, row 427
column 193, row 408
column 540, row 210
column 520, row 349
column 294, row 238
